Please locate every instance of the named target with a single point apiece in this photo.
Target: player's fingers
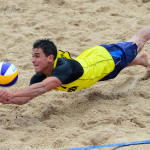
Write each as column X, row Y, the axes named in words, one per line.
column 3, row 94
column 5, row 101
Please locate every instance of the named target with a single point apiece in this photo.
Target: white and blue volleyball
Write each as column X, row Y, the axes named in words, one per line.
column 8, row 74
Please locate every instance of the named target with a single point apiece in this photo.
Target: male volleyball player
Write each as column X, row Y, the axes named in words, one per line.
column 56, row 70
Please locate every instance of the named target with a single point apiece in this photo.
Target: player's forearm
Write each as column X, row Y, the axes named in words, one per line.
column 22, row 96
column 38, row 88
column 17, row 100
column 31, row 91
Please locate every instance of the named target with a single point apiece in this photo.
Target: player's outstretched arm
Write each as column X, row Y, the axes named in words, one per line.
column 22, row 96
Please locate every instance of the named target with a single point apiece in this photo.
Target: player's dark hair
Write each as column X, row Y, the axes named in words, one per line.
column 47, row 46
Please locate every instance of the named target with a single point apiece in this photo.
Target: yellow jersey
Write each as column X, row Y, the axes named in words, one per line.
column 96, row 62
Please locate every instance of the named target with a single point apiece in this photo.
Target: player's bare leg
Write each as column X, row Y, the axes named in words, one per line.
column 140, row 38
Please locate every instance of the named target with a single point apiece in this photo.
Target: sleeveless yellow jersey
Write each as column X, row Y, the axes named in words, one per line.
column 96, row 62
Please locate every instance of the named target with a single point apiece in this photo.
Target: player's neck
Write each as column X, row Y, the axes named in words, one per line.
column 48, row 70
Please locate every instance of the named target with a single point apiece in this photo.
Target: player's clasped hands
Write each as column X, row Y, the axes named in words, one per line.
column 5, row 95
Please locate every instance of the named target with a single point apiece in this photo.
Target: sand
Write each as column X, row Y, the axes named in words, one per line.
column 113, row 111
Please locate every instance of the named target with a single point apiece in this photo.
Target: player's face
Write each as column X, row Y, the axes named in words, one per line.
column 40, row 61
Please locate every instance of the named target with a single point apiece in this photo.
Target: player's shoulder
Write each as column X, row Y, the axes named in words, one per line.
column 62, row 61
column 38, row 77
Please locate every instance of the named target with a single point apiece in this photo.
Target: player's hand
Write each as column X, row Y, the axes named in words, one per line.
column 5, row 96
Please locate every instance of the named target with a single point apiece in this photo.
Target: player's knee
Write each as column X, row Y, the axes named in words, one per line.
column 142, row 35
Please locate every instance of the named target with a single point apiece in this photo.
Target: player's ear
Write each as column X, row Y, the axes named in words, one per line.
column 51, row 58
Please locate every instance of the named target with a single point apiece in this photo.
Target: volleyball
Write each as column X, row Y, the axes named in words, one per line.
column 8, row 74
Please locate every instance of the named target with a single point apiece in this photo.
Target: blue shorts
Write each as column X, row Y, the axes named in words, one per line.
column 123, row 54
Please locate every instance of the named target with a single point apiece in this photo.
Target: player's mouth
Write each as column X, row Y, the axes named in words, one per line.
column 36, row 65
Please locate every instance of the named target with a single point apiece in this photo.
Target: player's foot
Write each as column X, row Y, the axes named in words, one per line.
column 145, row 63
column 144, row 60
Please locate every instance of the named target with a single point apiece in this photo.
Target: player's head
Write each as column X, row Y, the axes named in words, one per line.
column 43, row 55
column 47, row 46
